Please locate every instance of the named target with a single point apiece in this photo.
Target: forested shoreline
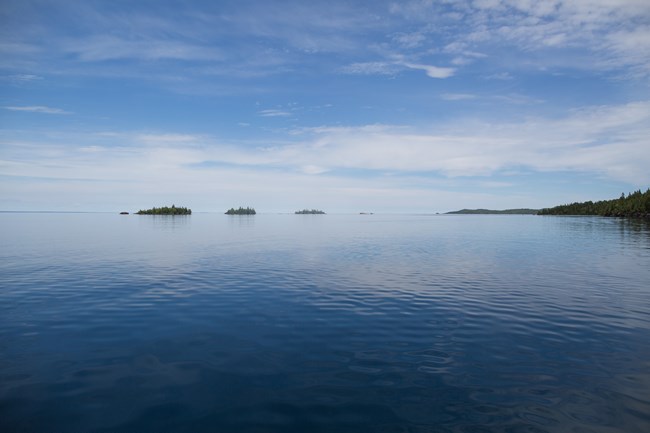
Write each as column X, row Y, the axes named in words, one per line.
column 241, row 211
column 165, row 210
column 636, row 204
column 309, row 212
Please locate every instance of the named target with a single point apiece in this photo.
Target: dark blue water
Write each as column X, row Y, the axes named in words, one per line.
column 306, row 323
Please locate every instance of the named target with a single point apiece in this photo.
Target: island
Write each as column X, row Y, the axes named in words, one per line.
column 166, row 210
column 523, row 211
column 309, row 212
column 241, row 211
column 124, row 213
column 635, row 205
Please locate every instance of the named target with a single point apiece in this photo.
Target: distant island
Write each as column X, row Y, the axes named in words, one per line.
column 241, row 211
column 495, row 212
column 166, row 210
column 309, row 212
column 636, row 204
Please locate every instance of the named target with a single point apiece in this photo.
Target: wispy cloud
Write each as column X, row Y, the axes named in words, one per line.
column 366, row 40
column 309, row 28
column 371, row 68
column 104, row 47
column 500, row 76
column 23, row 78
column 410, row 40
column 432, row 71
column 608, row 35
column 37, row 109
column 159, row 139
column 457, row 96
column 274, row 113
column 392, row 67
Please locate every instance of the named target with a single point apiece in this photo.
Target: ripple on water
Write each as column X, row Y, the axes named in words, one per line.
column 405, row 324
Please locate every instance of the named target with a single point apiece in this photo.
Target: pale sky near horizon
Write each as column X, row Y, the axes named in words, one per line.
column 345, row 106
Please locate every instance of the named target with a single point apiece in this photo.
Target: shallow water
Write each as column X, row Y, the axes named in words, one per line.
column 308, row 323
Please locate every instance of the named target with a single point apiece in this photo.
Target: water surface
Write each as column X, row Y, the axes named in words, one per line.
column 309, row 323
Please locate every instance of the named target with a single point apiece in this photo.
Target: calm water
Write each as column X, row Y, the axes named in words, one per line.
column 306, row 323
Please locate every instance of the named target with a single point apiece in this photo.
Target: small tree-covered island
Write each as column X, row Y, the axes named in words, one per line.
column 166, row 210
column 309, row 212
column 241, row 211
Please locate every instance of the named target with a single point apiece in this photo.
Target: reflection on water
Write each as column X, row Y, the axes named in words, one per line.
column 241, row 221
column 164, row 222
column 337, row 323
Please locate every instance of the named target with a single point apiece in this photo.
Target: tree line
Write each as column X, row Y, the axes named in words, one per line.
column 166, row 210
column 635, row 204
column 241, row 211
column 309, row 212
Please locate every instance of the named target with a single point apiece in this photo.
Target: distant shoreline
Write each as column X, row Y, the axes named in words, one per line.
column 633, row 205
column 523, row 211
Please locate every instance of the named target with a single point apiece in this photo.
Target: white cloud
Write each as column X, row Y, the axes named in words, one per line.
column 629, row 47
column 610, row 140
column 432, row 71
column 274, row 113
column 37, row 109
column 457, row 96
column 517, row 99
column 394, row 66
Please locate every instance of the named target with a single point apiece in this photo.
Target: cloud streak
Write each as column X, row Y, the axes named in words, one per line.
column 101, row 48
column 457, row 96
column 37, row 109
column 274, row 113
column 391, row 68
column 432, row 71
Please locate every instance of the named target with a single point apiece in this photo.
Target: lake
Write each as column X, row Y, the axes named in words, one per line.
column 323, row 323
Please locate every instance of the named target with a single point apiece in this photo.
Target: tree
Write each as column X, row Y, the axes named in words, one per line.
column 635, row 204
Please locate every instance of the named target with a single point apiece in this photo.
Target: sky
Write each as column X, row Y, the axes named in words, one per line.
column 347, row 106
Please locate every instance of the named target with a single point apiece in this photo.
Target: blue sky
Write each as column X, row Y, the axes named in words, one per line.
column 346, row 106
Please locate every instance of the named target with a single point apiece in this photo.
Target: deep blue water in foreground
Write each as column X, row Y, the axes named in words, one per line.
column 323, row 323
